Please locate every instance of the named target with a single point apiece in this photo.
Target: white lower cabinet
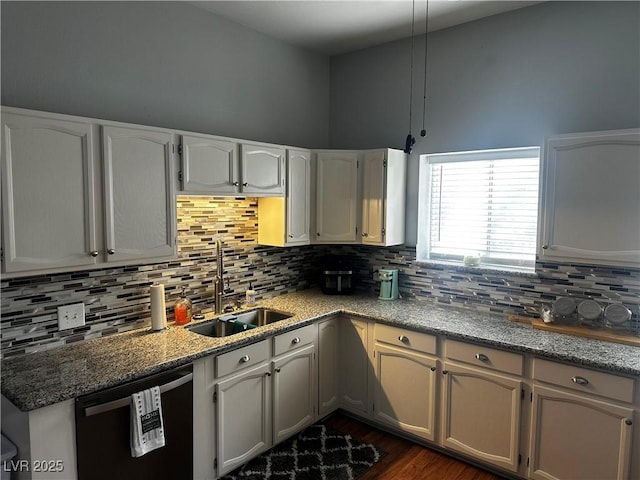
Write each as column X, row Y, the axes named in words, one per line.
column 405, row 387
column 580, row 425
column 481, row 406
column 355, row 368
column 262, row 398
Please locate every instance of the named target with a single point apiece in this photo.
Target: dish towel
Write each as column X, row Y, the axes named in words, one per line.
column 147, row 427
column 239, row 326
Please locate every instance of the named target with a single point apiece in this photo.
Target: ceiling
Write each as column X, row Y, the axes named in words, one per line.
column 334, row 27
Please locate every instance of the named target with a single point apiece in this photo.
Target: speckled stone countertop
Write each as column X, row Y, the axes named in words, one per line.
column 48, row 377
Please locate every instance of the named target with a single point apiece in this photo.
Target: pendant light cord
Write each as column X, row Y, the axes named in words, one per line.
column 424, row 97
column 413, row 16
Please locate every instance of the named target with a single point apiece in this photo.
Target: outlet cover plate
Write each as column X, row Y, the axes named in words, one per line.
column 70, row 316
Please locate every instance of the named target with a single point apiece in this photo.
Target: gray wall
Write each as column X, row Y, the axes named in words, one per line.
column 507, row 80
column 166, row 64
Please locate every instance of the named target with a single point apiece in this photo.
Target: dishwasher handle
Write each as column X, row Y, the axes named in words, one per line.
column 123, row 402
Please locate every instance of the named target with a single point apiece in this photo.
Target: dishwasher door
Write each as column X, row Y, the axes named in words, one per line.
column 103, row 421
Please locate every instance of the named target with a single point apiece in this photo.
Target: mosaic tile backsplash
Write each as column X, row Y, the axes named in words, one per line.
column 117, row 299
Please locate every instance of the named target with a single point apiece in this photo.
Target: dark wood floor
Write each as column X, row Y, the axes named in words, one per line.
column 406, row 460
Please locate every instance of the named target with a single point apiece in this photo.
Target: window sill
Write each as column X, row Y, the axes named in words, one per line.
column 480, row 269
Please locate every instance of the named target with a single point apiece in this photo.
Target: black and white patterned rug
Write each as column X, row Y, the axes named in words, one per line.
column 316, row 453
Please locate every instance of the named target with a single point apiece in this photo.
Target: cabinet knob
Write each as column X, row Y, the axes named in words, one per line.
column 545, row 247
column 444, row 372
column 628, row 421
column 403, row 339
column 318, row 234
column 236, row 184
column 365, row 234
column 245, row 359
column 268, row 374
column 291, row 235
column 433, row 369
column 94, row 253
column 295, row 340
column 580, row 380
column 482, row 357
column 277, row 370
column 245, row 184
column 111, row 251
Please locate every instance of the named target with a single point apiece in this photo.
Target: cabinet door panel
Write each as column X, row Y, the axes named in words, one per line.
column 209, row 165
column 354, row 366
column 405, row 390
column 373, row 197
column 49, row 209
column 481, row 415
column 336, row 197
column 575, row 437
column 262, row 170
column 293, row 393
column 328, row 381
column 243, row 417
column 138, row 193
column 298, row 197
column 591, row 198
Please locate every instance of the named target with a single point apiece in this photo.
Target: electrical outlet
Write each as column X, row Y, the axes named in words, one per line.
column 71, row 316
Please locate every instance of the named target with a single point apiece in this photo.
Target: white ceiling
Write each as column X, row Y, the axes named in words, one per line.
column 333, row 27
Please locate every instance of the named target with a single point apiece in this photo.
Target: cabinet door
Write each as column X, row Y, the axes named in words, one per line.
column 328, row 361
column 243, row 417
column 591, row 198
column 336, row 197
column 374, row 168
column 294, row 392
column 405, row 390
column 262, row 171
column 209, row 165
column 48, row 196
column 139, row 201
column 298, row 196
column 354, row 366
column 576, row 437
column 481, row 415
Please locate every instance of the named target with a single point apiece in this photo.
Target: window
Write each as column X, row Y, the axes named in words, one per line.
column 479, row 204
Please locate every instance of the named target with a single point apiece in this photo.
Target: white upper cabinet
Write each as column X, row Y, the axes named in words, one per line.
column 590, row 198
column 139, row 203
column 62, row 212
column 209, row 165
column 220, row 166
column 337, row 197
column 262, row 170
column 286, row 221
column 383, row 197
column 48, row 193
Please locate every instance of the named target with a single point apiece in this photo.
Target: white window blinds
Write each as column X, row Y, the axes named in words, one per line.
column 482, row 203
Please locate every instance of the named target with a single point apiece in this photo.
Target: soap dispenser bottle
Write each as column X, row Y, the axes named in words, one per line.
column 250, row 295
column 183, row 309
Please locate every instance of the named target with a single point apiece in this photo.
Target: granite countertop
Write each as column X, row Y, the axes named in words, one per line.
column 40, row 379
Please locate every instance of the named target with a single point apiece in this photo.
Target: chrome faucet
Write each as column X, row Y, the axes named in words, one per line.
column 218, row 280
column 219, row 288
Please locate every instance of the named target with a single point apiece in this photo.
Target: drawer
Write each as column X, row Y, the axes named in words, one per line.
column 487, row 357
column 584, row 380
column 242, row 358
column 286, row 342
column 401, row 337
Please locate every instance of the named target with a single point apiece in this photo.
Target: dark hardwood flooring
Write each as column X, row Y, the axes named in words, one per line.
column 405, row 460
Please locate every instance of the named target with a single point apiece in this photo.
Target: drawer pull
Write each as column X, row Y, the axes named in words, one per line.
column 245, row 359
column 403, row 339
column 580, row 380
column 482, row 357
column 295, row 340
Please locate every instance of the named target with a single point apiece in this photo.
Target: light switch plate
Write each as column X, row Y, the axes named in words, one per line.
column 71, row 316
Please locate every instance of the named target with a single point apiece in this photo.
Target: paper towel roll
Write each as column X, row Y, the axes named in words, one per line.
column 158, row 310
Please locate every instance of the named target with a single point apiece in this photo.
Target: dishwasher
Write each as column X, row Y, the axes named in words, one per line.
column 103, row 422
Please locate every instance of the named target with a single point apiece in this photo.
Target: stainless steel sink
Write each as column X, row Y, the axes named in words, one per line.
column 226, row 325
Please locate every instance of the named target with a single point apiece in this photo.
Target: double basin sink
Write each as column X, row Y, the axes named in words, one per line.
column 238, row 322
